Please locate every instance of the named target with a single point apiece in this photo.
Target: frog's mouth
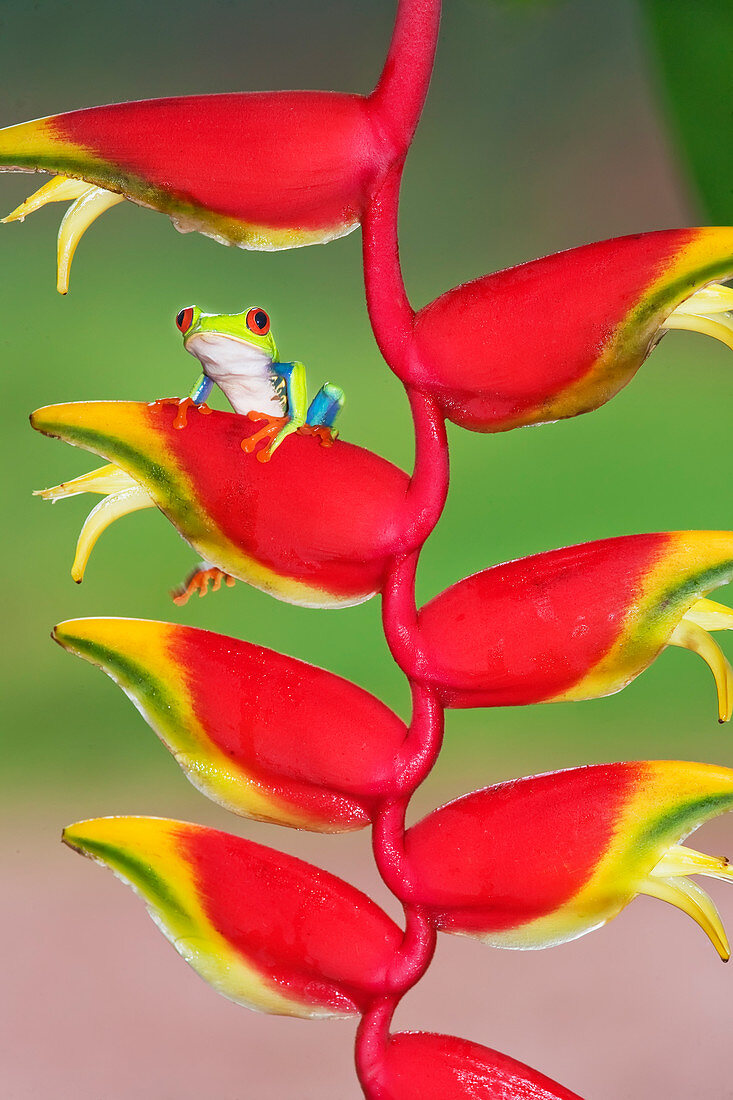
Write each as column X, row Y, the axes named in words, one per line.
column 121, row 495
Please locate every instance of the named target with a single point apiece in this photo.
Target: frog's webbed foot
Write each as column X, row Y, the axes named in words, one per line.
column 278, row 428
column 325, row 434
column 199, row 580
column 274, row 429
column 183, row 404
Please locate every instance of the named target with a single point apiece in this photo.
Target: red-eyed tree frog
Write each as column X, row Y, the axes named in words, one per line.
column 238, row 352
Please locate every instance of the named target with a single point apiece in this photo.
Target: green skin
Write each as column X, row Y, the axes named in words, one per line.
column 243, row 361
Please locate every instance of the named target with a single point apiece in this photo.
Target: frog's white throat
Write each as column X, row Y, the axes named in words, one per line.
column 244, row 373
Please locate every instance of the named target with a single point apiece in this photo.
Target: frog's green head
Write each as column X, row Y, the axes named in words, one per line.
column 207, row 335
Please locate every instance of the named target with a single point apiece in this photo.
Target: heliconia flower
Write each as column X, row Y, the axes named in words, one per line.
column 551, row 338
column 314, row 526
column 264, row 170
column 265, row 929
column 576, row 623
column 264, row 735
column 422, row 1066
column 535, row 862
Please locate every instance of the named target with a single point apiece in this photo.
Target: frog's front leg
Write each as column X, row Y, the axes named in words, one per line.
column 196, row 398
column 297, row 400
column 292, row 377
column 201, row 391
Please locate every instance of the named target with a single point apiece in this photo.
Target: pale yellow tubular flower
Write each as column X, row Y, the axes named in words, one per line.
column 105, row 481
column 80, row 215
column 58, row 189
column 706, row 311
column 689, row 635
column 101, row 517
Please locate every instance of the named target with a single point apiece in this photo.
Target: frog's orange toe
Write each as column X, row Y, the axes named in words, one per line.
column 271, row 426
column 326, row 435
column 182, row 405
column 199, row 581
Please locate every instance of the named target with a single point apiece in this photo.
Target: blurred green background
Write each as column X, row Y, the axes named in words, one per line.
column 542, row 131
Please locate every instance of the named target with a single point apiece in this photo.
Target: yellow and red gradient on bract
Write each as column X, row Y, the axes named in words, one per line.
column 561, row 335
column 537, row 861
column 263, row 170
column 265, row 929
column 424, row 1066
column 314, row 526
column 260, row 170
column 264, row 735
column 574, row 623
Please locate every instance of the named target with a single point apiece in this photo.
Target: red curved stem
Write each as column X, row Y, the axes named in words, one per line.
column 401, row 90
column 399, row 617
column 398, row 100
column 390, row 312
column 427, row 495
column 423, row 742
column 431, row 471
column 429, row 486
column 372, row 1037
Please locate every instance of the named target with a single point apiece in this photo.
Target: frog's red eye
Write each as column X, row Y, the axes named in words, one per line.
column 184, row 320
column 258, row 321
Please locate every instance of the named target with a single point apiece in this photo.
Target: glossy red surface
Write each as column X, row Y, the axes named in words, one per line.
column 282, row 159
column 494, row 349
column 421, row 1066
column 314, row 735
column 320, row 940
column 328, row 515
column 500, row 857
column 526, row 630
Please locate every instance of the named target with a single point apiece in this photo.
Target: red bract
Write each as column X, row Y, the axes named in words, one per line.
column 421, row 1066
column 537, row 861
column 551, row 338
column 261, row 170
column 575, row 623
column 261, row 733
column 266, row 930
column 560, row 335
column 314, row 526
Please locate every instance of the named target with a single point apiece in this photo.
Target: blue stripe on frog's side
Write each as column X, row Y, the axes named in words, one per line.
column 322, row 411
column 282, row 374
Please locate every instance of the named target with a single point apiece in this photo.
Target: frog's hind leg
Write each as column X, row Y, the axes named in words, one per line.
column 325, row 406
column 199, row 580
column 322, row 412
